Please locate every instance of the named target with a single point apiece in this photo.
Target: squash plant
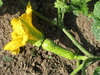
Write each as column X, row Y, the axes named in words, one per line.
column 26, row 32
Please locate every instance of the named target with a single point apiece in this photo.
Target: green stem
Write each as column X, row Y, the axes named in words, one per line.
column 59, row 16
column 74, row 41
column 80, row 57
column 41, row 16
column 78, row 63
column 76, row 70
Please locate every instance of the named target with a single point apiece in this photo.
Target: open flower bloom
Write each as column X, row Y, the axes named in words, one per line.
column 23, row 32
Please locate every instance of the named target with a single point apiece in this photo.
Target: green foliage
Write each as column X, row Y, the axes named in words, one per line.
column 85, row 9
column 76, row 6
column 97, row 9
column 6, row 58
column 79, row 6
column 96, row 28
column 1, row 3
column 62, row 5
column 96, row 18
column 76, row 12
column 97, row 71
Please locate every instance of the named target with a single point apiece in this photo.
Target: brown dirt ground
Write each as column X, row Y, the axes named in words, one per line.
column 25, row 63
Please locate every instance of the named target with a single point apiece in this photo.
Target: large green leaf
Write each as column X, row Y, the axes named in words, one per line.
column 97, row 71
column 97, row 9
column 96, row 28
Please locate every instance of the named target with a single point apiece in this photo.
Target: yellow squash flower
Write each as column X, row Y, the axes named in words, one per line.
column 23, row 31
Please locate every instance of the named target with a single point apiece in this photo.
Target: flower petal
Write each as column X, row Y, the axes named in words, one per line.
column 29, row 9
column 16, row 51
column 16, row 43
column 17, row 26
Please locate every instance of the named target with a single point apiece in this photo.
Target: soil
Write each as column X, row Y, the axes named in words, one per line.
column 26, row 63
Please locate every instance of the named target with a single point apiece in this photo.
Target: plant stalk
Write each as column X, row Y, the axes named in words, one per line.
column 76, row 70
column 59, row 16
column 80, row 57
column 74, row 41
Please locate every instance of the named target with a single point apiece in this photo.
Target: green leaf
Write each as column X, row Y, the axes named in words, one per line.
column 97, row 9
column 97, row 71
column 1, row 3
column 38, row 43
column 76, row 12
column 80, row 7
column 61, row 5
column 85, row 9
column 6, row 58
column 96, row 28
column 90, row 15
